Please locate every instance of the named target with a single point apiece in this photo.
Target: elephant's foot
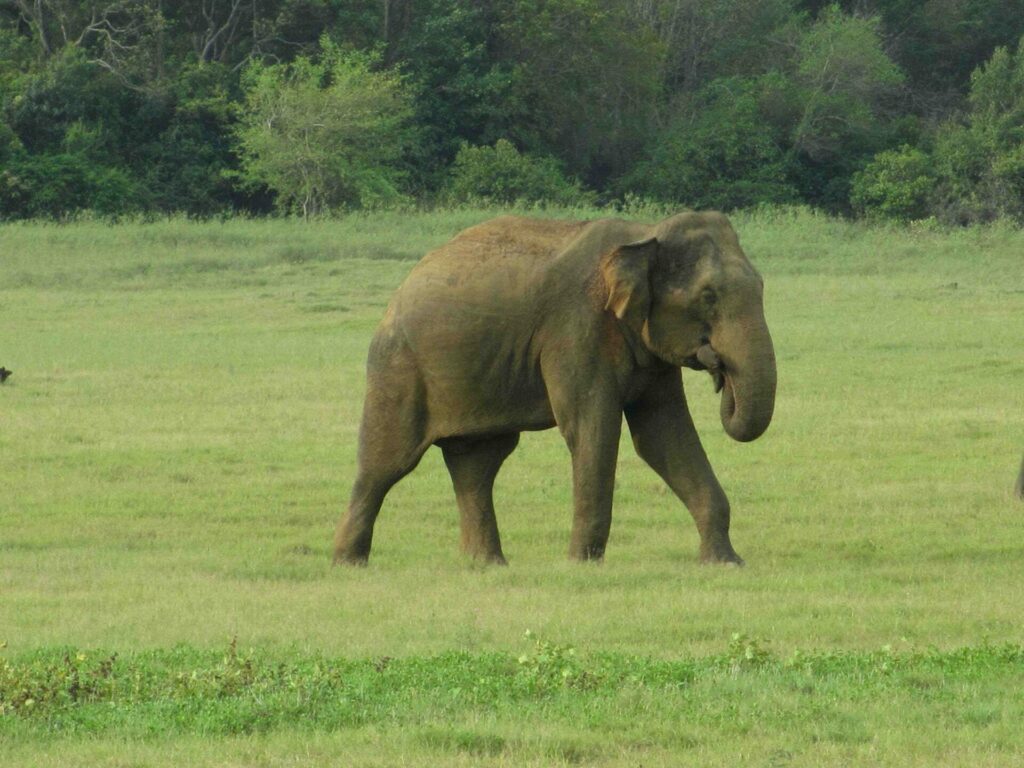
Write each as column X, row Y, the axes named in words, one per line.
column 342, row 557
column 481, row 541
column 488, row 558
column 486, row 553
column 721, row 554
column 352, row 541
column 351, row 548
column 593, row 553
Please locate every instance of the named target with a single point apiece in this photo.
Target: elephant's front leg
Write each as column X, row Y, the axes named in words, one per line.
column 591, row 427
column 664, row 436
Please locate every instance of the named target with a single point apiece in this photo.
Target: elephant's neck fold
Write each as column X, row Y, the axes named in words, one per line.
column 643, row 357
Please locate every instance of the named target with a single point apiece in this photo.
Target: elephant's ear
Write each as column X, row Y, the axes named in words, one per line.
column 626, row 272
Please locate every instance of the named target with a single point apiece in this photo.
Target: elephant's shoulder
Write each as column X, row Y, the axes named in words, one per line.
column 600, row 235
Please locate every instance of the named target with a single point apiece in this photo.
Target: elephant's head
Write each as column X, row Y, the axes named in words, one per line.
column 692, row 298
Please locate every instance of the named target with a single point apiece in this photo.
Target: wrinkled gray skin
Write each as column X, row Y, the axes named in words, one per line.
column 520, row 324
column 1018, row 489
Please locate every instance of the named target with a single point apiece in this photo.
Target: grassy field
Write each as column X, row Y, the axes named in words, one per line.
column 177, row 441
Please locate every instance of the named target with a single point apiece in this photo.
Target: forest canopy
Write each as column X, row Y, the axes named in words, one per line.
column 897, row 109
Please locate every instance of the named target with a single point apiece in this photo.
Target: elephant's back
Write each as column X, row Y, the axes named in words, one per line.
column 496, row 267
column 525, row 238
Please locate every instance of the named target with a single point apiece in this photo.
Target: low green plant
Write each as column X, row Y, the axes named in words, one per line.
column 492, row 704
column 746, row 653
column 69, row 678
column 549, row 664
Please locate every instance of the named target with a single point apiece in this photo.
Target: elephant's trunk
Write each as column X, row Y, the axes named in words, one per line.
column 748, row 395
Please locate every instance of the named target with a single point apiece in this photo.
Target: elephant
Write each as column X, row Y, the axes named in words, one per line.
column 1018, row 488
column 526, row 324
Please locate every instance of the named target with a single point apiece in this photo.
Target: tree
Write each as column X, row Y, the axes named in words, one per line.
column 56, row 185
column 847, row 80
column 728, row 102
column 847, row 89
column 585, row 82
column 121, row 36
column 938, row 43
column 187, row 161
column 706, row 39
column 325, row 134
column 980, row 161
column 231, row 32
column 462, row 89
column 720, row 150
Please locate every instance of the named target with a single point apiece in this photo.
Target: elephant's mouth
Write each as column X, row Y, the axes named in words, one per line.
column 745, row 409
column 706, row 359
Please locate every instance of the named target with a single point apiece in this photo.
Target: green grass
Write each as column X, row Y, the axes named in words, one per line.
column 178, row 437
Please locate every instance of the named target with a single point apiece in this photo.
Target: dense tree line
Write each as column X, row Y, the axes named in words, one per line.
column 895, row 108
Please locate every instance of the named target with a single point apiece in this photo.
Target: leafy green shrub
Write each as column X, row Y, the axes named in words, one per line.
column 112, row 192
column 895, row 185
column 54, row 186
column 66, row 90
column 43, row 185
column 501, row 174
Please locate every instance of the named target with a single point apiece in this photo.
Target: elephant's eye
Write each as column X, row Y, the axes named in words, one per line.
column 709, row 297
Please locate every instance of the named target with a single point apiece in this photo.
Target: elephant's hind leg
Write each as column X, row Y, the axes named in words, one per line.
column 473, row 465
column 391, row 444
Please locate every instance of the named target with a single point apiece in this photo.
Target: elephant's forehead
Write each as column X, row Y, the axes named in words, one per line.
column 696, row 220
column 740, row 276
column 700, row 243
column 703, row 246
column 736, row 265
column 700, row 255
